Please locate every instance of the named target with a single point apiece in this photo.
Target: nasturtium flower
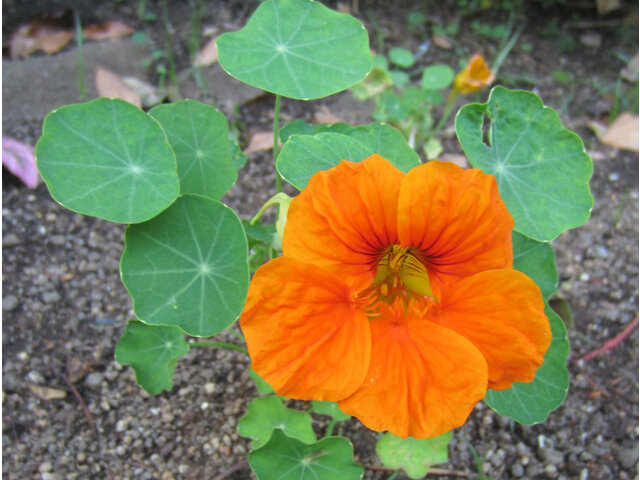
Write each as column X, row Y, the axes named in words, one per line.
column 475, row 76
column 396, row 297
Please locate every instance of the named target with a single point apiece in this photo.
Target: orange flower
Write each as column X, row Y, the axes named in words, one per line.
column 475, row 76
column 396, row 297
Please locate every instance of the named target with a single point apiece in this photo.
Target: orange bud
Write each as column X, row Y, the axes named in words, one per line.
column 475, row 76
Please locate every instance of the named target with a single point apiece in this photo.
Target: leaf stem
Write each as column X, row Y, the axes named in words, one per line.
column 448, row 108
column 230, row 346
column 276, row 132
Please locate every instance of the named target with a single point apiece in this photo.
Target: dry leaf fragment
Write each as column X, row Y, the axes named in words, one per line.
column 260, row 142
column 48, row 34
column 324, row 115
column 442, row 42
column 19, row 159
column 46, row 393
column 110, row 84
column 107, row 30
column 623, row 132
column 208, row 55
column 149, row 94
column 456, row 158
column 606, row 6
column 630, row 71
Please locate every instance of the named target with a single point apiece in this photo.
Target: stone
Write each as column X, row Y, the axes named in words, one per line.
column 627, row 457
column 9, row 303
column 94, row 380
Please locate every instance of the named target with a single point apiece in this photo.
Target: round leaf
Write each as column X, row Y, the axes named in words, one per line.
column 401, row 57
column 304, row 155
column 188, row 267
column 530, row 403
column 436, row 77
column 107, row 158
column 413, row 455
column 266, row 413
column 536, row 260
column 152, row 351
column 285, row 458
column 331, row 409
column 198, row 134
column 541, row 167
column 297, row 48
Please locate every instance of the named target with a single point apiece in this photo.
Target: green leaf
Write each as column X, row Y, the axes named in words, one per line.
column 284, row 458
column 530, row 403
column 188, row 266
column 401, row 57
column 152, row 351
column 436, row 77
column 107, row 158
column 198, row 134
column 541, row 167
column 263, row 387
column 331, row 409
column 266, row 413
column 238, row 157
column 536, row 260
column 258, row 232
column 413, row 455
column 304, row 155
column 298, row 49
column 400, row 78
column 563, row 309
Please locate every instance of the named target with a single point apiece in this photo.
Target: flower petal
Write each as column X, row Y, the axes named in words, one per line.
column 344, row 218
column 423, row 379
column 502, row 313
column 306, row 336
column 456, row 218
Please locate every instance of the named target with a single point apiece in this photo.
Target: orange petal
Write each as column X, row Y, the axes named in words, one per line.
column 345, row 217
column 457, row 220
column 306, row 336
column 423, row 379
column 502, row 313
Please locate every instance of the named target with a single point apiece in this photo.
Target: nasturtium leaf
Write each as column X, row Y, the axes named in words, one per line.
column 401, row 57
column 541, row 167
column 188, row 266
column 413, row 455
column 107, row 158
column 258, row 232
column 400, row 78
column 536, row 260
column 266, row 413
column 238, row 157
column 298, row 49
column 263, row 387
column 436, row 77
column 331, row 409
column 198, row 134
column 284, row 458
column 152, row 351
column 530, row 403
column 304, row 155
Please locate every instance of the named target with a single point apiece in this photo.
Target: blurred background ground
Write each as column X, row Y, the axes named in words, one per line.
column 64, row 306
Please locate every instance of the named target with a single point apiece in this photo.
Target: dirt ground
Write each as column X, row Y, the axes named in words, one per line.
column 64, row 306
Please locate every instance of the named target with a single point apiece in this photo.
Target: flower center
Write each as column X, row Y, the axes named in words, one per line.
column 399, row 273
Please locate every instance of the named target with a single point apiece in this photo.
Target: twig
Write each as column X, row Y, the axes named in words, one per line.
column 432, row 471
column 225, row 473
column 85, row 409
column 609, row 344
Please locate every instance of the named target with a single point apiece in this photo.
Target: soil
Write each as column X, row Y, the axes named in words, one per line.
column 64, row 306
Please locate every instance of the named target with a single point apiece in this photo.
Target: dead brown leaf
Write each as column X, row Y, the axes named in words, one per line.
column 456, row 158
column 622, row 133
column 606, row 6
column 324, row 115
column 107, row 30
column 48, row 34
column 110, row 84
column 442, row 42
column 208, row 55
column 260, row 142
column 46, row 393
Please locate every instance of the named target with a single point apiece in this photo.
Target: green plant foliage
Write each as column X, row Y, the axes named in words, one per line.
column 298, row 49
column 266, row 413
column 263, row 387
column 331, row 409
column 530, row 403
column 401, row 57
column 285, row 458
column 436, row 77
column 152, row 351
column 304, row 155
column 188, row 266
column 537, row 260
column 107, row 158
column 198, row 134
column 413, row 455
column 541, row 167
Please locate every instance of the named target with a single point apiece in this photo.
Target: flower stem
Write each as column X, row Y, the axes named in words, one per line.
column 448, row 108
column 276, row 128
column 230, row 346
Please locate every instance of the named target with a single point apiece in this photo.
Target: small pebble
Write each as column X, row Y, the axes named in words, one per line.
column 10, row 240
column 9, row 303
column 51, row 297
column 93, row 380
column 35, row 377
column 517, row 470
column 614, row 177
